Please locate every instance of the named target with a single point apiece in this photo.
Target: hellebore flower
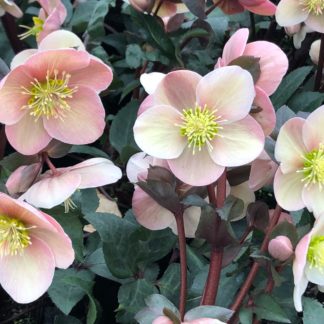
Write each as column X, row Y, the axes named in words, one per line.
column 50, row 18
column 259, row 7
column 32, row 244
column 273, row 65
column 308, row 265
column 280, row 248
column 54, row 94
column 200, row 125
column 10, row 7
column 52, row 189
column 299, row 179
column 292, row 12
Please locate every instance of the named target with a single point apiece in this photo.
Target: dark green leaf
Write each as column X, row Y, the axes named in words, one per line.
column 313, row 311
column 250, row 64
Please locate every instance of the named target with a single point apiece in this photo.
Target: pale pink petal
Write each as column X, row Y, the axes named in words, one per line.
column 166, row 9
column 21, row 57
column 191, row 218
column 273, row 64
column 28, row 136
column 230, row 7
column 267, row 116
column 150, row 81
column 235, row 45
column 84, row 123
column 228, row 90
column 148, row 212
column 195, row 169
column 138, row 163
column 313, row 198
column 288, row 190
column 156, row 132
column 177, row 89
column 265, row 8
column 316, row 22
column 238, row 143
column 61, row 39
column 204, row 321
column 313, row 129
column 52, row 191
column 300, row 288
column 96, row 75
column 290, row 12
column 96, row 172
column 290, row 147
column 147, row 103
column 27, row 277
column 12, row 8
column 314, row 274
column 162, row 320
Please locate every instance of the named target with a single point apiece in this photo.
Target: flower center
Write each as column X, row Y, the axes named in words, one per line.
column 49, row 98
column 32, row 31
column 314, row 6
column 200, row 126
column 14, row 236
column 314, row 167
column 315, row 253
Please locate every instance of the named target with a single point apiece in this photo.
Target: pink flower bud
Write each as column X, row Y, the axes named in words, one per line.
column 280, row 248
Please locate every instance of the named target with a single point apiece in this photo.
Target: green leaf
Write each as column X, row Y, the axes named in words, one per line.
column 96, row 21
column 89, row 201
column 82, row 15
column 134, row 56
column 250, row 64
column 197, row 7
column 246, row 316
column 313, row 311
column 131, row 298
column 90, row 150
column 121, row 131
column 289, row 85
column 306, row 101
column 195, row 261
column 59, row 319
column 220, row 313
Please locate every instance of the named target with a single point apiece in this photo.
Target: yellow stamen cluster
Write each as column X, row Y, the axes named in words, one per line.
column 33, row 31
column 69, row 204
column 49, row 98
column 14, row 236
column 314, row 6
column 315, row 253
column 200, row 126
column 313, row 169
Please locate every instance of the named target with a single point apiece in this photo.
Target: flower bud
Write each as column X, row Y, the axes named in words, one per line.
column 314, row 51
column 291, row 30
column 280, row 248
column 142, row 5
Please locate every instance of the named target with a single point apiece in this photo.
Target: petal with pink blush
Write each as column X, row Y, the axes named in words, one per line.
column 267, row 116
column 273, row 64
column 300, row 288
column 316, row 22
column 288, row 190
column 265, row 8
column 96, row 75
column 313, row 198
column 27, row 277
column 195, row 169
column 162, row 320
column 177, row 89
column 290, row 147
column 147, row 103
column 235, row 46
column 313, row 129
column 52, row 191
column 138, row 163
column 229, row 90
column 238, row 143
column 12, row 9
column 148, row 212
column 230, row 7
column 156, row 132
column 28, row 136
column 150, row 81
column 83, row 124
column 290, row 12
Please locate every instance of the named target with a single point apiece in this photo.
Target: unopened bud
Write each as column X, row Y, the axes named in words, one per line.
column 292, row 30
column 142, row 5
column 280, row 248
column 314, row 51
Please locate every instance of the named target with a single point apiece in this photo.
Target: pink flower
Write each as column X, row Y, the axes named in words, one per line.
column 273, row 66
column 32, row 244
column 299, row 179
column 52, row 189
column 198, row 133
column 292, row 12
column 10, row 7
column 54, row 94
column 50, row 18
column 260, row 7
column 309, row 261
column 280, row 248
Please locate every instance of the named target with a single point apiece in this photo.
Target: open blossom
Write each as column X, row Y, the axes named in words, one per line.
column 54, row 94
column 292, row 12
column 57, row 186
column 32, row 244
column 273, row 64
column 299, row 179
column 308, row 265
column 10, row 7
column 260, row 7
column 50, row 18
column 197, row 132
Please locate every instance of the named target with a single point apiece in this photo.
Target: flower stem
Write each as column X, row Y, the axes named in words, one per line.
column 320, row 66
column 11, row 30
column 255, row 267
column 49, row 163
column 253, row 29
column 216, row 254
column 183, row 264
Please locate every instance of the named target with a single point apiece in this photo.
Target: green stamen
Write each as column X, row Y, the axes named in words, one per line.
column 315, row 253
column 33, row 31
